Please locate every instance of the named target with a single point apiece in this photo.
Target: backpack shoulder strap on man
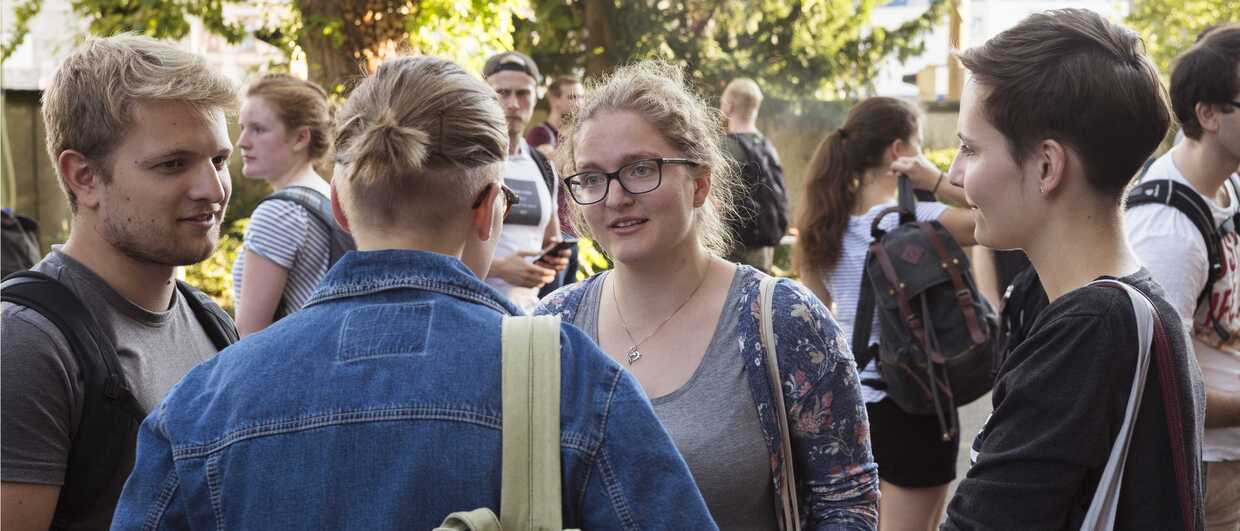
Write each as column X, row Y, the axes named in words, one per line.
column 320, row 208
column 1186, row 200
column 105, row 439
column 214, row 321
column 544, row 167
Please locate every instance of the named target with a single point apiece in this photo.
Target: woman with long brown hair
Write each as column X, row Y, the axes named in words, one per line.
column 851, row 179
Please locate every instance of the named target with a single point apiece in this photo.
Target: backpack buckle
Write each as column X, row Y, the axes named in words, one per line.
column 964, row 297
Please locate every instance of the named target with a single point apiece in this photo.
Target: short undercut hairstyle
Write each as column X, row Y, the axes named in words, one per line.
column 1072, row 76
column 89, row 105
column 1207, row 73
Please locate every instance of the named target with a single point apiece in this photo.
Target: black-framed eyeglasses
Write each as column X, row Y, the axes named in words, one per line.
column 1234, row 103
column 511, row 198
column 637, row 177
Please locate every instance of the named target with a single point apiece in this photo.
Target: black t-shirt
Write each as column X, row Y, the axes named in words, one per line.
column 1059, row 402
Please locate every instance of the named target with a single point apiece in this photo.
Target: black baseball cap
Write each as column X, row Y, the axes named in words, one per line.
column 515, row 61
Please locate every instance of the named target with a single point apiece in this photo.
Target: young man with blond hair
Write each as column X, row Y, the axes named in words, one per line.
column 137, row 131
column 764, row 204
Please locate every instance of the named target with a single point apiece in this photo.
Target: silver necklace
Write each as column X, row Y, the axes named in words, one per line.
column 634, row 353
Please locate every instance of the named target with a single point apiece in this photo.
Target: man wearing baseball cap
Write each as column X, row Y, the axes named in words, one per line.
column 533, row 225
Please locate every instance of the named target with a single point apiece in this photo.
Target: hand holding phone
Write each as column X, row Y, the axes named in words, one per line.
column 555, row 256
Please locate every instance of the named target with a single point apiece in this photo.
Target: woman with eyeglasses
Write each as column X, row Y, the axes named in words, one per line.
column 650, row 183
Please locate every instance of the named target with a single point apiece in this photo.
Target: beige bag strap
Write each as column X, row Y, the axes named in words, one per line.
column 530, row 484
column 789, row 516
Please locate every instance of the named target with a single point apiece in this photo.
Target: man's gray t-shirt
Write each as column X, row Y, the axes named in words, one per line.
column 39, row 383
column 714, row 423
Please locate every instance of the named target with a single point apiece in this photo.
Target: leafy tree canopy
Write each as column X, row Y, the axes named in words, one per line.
column 795, row 48
column 1171, row 26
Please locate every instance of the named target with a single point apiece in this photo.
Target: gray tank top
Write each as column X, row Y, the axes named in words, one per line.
column 714, row 423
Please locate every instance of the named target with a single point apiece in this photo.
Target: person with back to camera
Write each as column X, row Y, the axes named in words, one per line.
column 1048, row 147
column 851, row 179
column 285, row 127
column 650, row 183
column 378, row 405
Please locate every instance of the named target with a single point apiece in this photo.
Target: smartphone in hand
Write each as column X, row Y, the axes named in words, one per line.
column 555, row 248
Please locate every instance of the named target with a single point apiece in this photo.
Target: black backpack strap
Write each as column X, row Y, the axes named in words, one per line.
column 863, row 321
column 102, row 450
column 544, row 167
column 320, row 208
column 214, row 321
column 907, row 200
column 1186, row 200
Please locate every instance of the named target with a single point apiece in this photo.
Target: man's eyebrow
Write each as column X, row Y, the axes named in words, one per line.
column 175, row 153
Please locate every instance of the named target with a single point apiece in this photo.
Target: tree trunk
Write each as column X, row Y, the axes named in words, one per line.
column 600, row 58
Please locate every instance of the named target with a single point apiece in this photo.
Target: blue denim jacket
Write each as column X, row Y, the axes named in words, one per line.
column 835, row 470
column 378, row 406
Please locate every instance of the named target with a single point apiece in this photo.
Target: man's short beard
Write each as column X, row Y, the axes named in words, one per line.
column 144, row 248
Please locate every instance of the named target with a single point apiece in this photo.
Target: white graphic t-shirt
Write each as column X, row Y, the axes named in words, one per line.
column 527, row 223
column 1173, row 250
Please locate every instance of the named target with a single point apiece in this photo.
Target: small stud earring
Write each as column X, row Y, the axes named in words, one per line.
column 1041, row 190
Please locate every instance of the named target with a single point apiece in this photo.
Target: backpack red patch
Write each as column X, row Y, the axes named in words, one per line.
column 912, row 254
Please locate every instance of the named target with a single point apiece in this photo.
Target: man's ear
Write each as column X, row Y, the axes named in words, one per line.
column 81, row 176
column 1052, row 159
column 1207, row 116
column 338, row 211
column 484, row 216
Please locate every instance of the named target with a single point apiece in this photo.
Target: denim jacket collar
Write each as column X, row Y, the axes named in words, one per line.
column 360, row 273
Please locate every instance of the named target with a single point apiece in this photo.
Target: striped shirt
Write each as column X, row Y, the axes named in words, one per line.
column 844, row 281
column 286, row 234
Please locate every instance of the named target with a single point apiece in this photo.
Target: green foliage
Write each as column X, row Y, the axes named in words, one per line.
column 794, row 48
column 336, row 36
column 166, row 19
column 214, row 275
column 1170, row 27
column 590, row 259
column 22, row 13
column 941, row 157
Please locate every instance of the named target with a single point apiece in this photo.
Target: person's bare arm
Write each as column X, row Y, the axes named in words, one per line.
column 1222, row 409
column 926, row 176
column 514, row 270
column 959, row 223
column 262, row 286
column 27, row 506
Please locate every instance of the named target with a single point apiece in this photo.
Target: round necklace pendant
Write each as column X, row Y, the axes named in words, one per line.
column 634, row 355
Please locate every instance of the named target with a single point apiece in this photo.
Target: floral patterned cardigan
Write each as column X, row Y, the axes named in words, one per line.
column 835, row 470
